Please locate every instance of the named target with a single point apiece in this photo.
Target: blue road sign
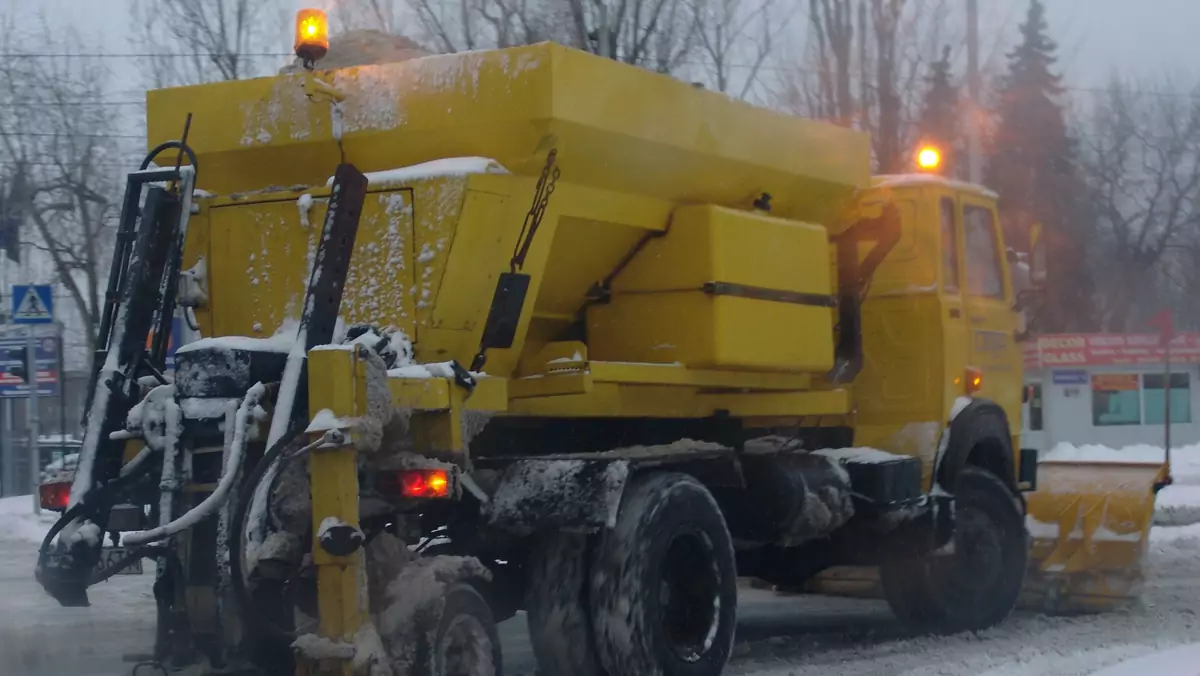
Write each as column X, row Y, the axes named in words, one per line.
column 12, row 356
column 32, row 304
column 1071, row 377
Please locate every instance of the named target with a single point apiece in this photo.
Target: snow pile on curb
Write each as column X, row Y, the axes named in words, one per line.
column 1177, row 504
column 17, row 521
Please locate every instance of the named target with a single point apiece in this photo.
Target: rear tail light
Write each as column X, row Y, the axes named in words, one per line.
column 55, row 496
column 420, row 483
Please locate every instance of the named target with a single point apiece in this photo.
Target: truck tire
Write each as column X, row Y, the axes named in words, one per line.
column 978, row 585
column 466, row 642
column 560, row 626
column 664, row 582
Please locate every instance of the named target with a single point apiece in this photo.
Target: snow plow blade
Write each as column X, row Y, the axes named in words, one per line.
column 1089, row 526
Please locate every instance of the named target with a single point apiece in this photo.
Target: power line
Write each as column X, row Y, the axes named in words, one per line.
column 50, row 134
column 52, row 104
column 137, row 55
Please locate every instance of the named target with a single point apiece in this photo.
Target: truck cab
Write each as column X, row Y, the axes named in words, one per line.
column 940, row 319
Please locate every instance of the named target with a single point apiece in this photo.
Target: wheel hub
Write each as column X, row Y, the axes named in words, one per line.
column 690, row 596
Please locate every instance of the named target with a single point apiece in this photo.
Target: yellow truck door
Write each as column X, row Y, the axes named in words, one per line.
column 991, row 320
column 955, row 352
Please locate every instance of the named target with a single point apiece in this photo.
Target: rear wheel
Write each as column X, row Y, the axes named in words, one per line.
column 466, row 642
column 560, row 626
column 664, row 584
column 976, row 586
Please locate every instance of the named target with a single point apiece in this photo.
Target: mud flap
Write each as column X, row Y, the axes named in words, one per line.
column 573, row 494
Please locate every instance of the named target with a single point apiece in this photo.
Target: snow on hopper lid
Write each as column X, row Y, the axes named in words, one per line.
column 450, row 166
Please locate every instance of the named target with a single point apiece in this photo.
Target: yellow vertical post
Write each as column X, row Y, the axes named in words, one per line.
column 337, row 382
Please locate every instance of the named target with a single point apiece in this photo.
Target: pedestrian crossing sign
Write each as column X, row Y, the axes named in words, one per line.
column 32, row 304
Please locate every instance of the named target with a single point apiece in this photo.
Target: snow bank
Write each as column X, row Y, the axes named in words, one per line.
column 1091, row 453
column 1177, row 505
column 18, row 523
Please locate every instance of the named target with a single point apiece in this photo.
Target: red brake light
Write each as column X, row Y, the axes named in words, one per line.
column 55, row 496
column 423, row 483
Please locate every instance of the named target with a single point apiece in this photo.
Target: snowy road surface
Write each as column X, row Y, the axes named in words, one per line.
column 778, row 636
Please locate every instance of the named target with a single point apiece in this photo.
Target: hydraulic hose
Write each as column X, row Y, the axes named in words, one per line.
column 237, row 528
column 168, row 145
column 89, row 507
column 215, row 499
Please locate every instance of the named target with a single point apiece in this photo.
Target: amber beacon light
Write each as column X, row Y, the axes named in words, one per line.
column 928, row 158
column 312, row 36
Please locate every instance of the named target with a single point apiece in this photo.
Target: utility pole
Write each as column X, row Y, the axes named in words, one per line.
column 35, row 450
column 974, row 105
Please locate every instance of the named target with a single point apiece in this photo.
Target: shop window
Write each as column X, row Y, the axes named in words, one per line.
column 1034, row 392
column 984, row 277
column 1181, row 398
column 1116, row 399
column 949, row 248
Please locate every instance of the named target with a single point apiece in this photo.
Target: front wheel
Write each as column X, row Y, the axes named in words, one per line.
column 466, row 642
column 453, row 634
column 664, row 582
column 978, row 585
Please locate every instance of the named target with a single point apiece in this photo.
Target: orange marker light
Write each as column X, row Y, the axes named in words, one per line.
column 974, row 378
column 928, row 158
column 312, row 35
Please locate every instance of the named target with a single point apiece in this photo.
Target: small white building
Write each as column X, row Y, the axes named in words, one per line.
column 1109, row 389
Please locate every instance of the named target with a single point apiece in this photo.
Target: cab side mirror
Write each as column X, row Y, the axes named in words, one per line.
column 1037, row 256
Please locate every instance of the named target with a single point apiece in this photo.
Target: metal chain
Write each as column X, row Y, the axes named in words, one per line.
column 541, row 198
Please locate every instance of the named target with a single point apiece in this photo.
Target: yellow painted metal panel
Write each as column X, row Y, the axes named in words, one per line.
column 433, row 394
column 712, row 244
column 701, row 331
column 261, row 253
column 617, row 127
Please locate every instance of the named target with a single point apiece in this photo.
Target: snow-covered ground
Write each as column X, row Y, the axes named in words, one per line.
column 777, row 635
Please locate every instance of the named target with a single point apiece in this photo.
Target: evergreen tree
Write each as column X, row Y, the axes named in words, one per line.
column 938, row 124
column 1033, row 164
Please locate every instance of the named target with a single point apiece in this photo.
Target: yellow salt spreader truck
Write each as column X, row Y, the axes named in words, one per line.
column 604, row 343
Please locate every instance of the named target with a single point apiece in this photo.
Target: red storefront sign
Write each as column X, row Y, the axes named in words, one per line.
column 1065, row 350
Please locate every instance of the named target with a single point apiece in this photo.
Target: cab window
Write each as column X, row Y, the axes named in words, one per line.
column 984, row 274
column 949, row 247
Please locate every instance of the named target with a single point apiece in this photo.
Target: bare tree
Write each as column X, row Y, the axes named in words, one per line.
column 1142, row 164
column 190, row 42
column 738, row 37
column 863, row 66
column 61, row 143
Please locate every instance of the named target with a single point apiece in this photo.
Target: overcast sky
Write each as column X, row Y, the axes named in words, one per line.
column 1140, row 37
